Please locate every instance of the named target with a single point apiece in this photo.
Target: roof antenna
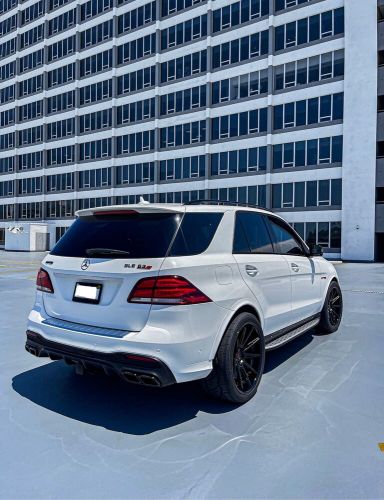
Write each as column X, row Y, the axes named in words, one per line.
column 143, row 202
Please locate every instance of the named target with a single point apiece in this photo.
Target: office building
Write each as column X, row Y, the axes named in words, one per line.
column 269, row 102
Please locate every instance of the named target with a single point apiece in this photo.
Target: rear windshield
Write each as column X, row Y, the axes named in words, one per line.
column 138, row 235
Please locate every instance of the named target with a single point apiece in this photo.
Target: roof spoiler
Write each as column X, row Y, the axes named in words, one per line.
column 146, row 208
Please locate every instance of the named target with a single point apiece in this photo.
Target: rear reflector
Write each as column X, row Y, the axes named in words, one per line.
column 144, row 359
column 43, row 281
column 167, row 290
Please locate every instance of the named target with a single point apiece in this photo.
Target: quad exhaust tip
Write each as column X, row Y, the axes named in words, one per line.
column 142, row 379
column 39, row 353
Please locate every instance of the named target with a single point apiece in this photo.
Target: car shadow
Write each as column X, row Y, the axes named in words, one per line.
column 279, row 356
column 111, row 402
column 116, row 405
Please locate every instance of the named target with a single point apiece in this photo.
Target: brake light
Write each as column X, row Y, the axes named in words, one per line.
column 167, row 290
column 115, row 212
column 43, row 281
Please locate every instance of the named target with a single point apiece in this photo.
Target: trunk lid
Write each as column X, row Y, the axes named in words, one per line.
column 117, row 278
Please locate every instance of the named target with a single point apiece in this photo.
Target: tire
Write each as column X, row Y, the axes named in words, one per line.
column 239, row 362
column 332, row 311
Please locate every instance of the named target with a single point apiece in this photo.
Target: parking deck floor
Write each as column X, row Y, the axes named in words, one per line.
column 312, row 431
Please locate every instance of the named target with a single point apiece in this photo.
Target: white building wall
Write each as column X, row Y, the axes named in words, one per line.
column 360, row 122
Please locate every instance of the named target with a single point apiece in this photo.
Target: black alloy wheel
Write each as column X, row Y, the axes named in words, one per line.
column 334, row 307
column 247, row 359
column 239, row 362
column 332, row 312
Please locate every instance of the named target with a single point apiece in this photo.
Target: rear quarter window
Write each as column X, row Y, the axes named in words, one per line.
column 195, row 233
column 251, row 234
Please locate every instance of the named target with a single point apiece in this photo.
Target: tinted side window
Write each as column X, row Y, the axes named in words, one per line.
column 195, row 233
column 283, row 239
column 251, row 234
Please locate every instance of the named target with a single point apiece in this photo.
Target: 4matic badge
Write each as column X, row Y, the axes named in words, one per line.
column 138, row 266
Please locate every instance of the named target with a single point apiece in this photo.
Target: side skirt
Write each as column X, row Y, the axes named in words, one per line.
column 282, row 337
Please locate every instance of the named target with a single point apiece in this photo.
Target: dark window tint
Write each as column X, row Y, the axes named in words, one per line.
column 251, row 234
column 283, row 239
column 142, row 235
column 195, row 233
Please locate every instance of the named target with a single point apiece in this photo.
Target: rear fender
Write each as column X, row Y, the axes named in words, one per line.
column 230, row 316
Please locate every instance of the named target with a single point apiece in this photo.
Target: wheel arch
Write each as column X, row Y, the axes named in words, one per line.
column 245, row 307
column 332, row 279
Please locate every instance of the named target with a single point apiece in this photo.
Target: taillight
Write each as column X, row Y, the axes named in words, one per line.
column 167, row 290
column 43, row 281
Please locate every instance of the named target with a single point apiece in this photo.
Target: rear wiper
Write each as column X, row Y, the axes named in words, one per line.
column 105, row 251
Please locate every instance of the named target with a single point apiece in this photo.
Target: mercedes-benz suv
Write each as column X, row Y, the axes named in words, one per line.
column 167, row 293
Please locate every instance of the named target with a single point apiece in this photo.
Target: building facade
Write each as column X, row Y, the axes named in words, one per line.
column 269, row 102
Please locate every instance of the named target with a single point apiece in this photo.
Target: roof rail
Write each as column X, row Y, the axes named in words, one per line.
column 221, row 202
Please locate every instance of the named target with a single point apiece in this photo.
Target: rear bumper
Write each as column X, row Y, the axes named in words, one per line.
column 137, row 369
column 186, row 358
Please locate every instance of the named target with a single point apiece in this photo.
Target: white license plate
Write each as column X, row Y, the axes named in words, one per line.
column 87, row 292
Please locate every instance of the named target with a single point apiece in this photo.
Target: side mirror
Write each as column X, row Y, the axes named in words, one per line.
column 315, row 250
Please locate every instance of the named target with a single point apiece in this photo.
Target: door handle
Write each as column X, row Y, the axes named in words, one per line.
column 251, row 270
column 295, row 267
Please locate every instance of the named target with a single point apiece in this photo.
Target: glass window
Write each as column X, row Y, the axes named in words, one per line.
column 278, row 156
column 288, row 195
column 276, row 195
column 323, row 234
column 283, row 239
column 311, row 194
column 300, row 154
column 279, row 37
column 325, row 108
column 105, row 231
column 195, row 233
column 338, row 106
column 312, row 152
column 338, row 21
column 302, row 31
column 301, row 113
column 323, row 192
column 288, row 155
column 299, row 194
column 278, row 117
column 310, row 233
column 326, row 66
column 314, row 28
column 335, row 234
column 314, row 69
column 251, row 234
column 337, row 149
column 302, row 72
column 313, row 110
column 338, row 63
column 326, row 24
column 325, row 150
column 336, row 192
column 290, row 75
column 289, row 115
column 279, row 77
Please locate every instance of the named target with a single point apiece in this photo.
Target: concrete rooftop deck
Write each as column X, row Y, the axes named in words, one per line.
column 312, row 431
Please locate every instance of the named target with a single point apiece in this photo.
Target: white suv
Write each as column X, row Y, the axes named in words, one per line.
column 164, row 293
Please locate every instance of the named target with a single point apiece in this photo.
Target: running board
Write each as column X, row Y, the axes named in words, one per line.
column 287, row 337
